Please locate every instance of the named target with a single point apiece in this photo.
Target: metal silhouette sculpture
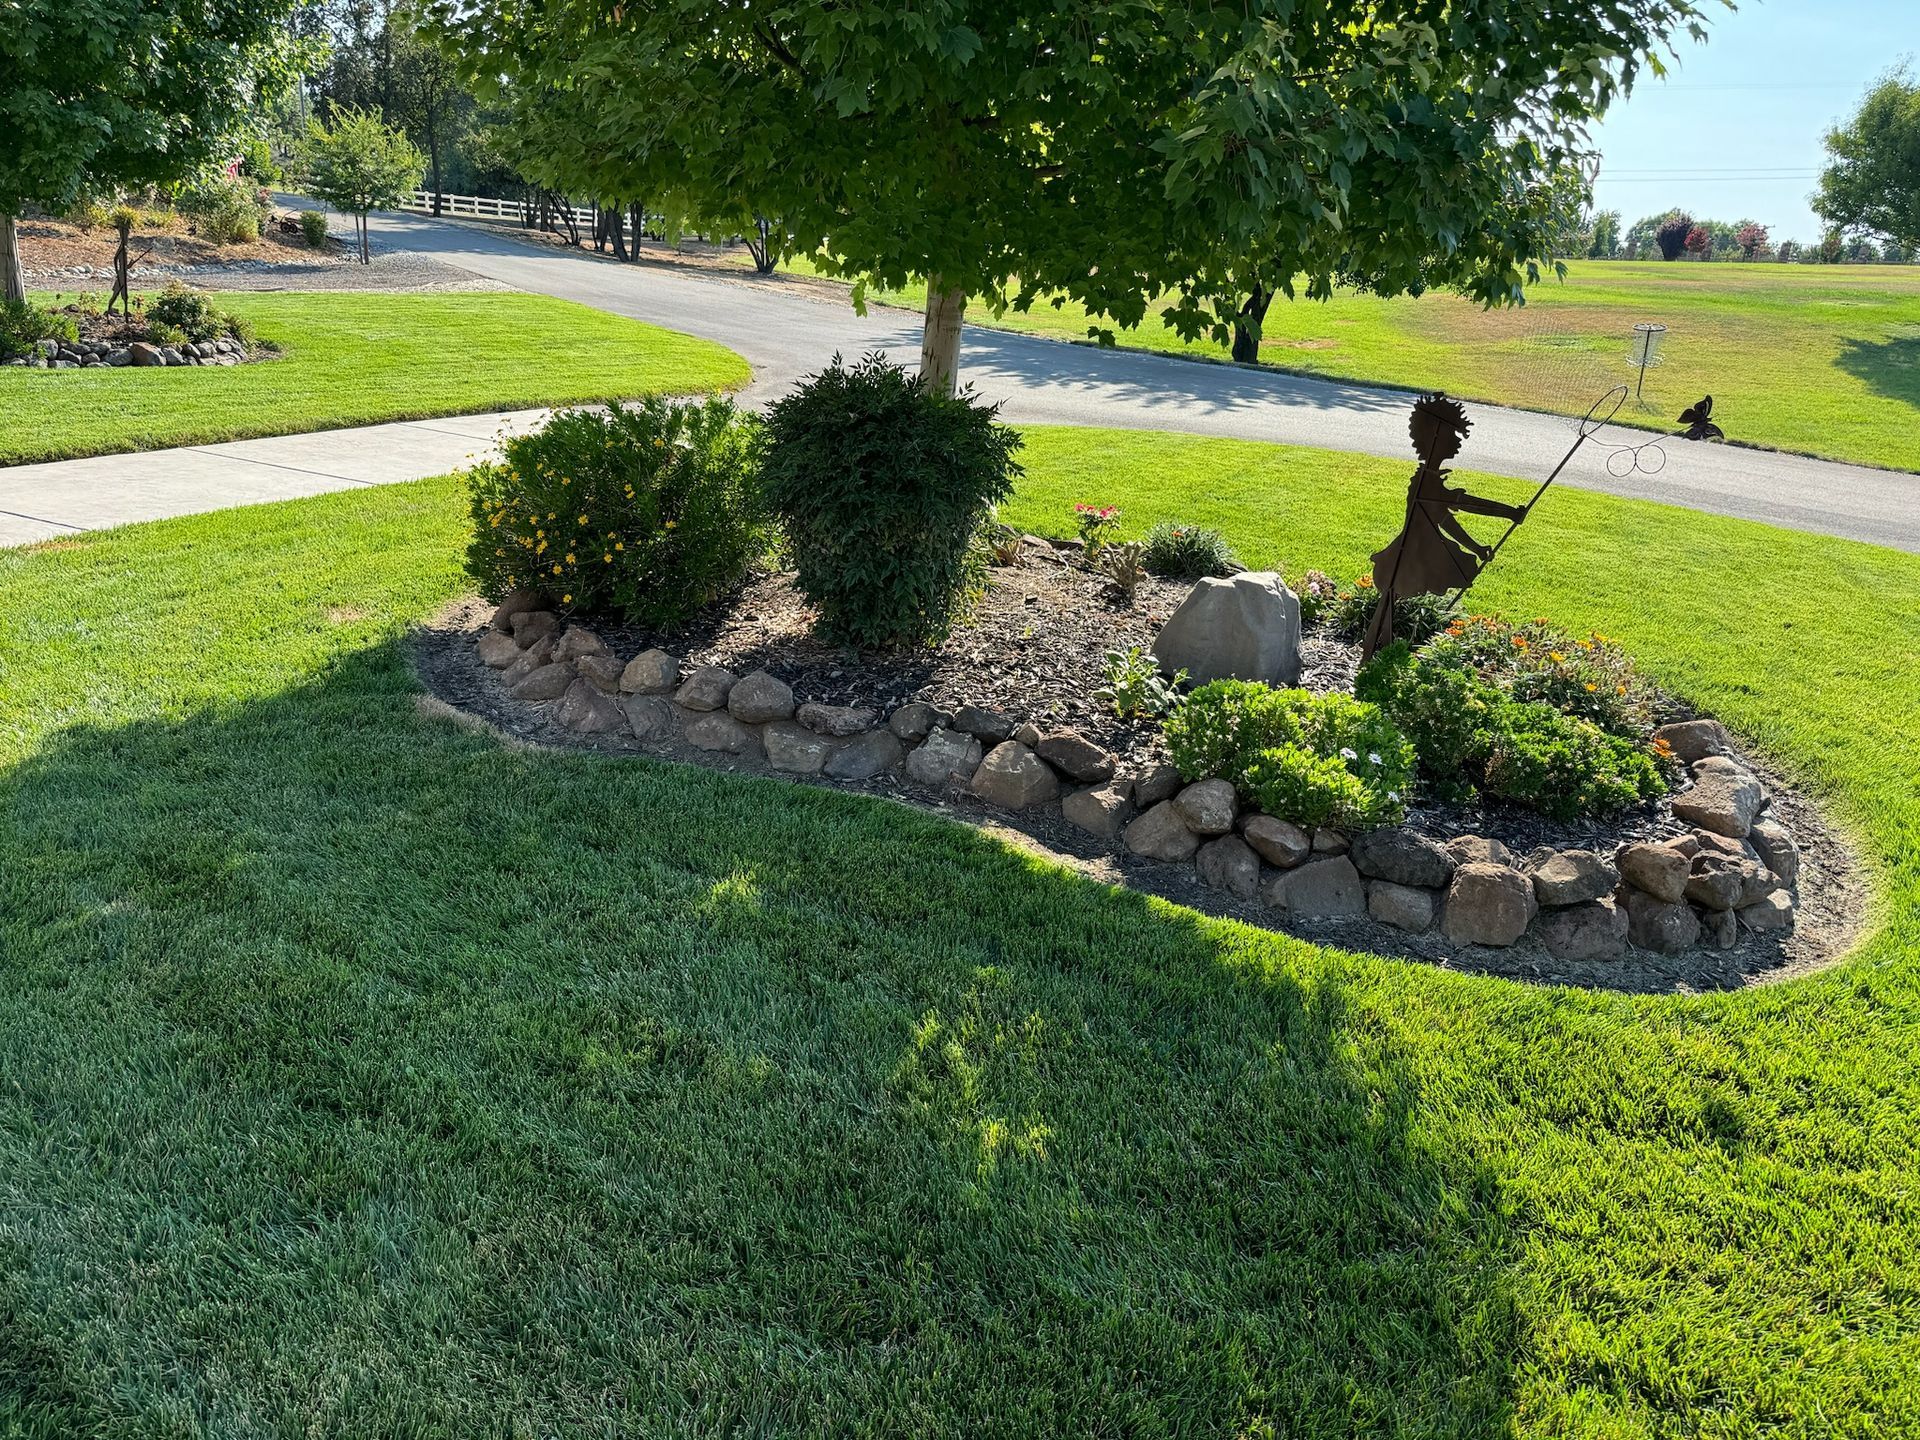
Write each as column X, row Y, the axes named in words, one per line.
column 1434, row 551
column 1698, row 419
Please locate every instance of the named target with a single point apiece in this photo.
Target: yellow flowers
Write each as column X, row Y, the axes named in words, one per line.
column 606, row 559
column 556, row 569
column 570, row 557
column 566, row 599
column 583, row 519
column 1591, row 687
column 1556, row 657
column 671, row 524
column 619, row 544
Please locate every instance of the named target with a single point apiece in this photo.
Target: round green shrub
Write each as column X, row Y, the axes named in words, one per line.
column 645, row 512
column 22, row 323
column 882, row 488
column 1566, row 767
column 1446, row 712
column 1187, row 552
column 1291, row 782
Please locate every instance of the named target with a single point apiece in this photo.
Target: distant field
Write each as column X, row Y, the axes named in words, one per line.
column 1823, row 360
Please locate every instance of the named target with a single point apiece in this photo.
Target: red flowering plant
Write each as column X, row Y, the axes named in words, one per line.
column 1098, row 525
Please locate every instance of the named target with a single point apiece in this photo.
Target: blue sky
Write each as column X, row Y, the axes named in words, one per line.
column 1734, row 130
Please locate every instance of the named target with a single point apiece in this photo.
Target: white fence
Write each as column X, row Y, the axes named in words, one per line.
column 479, row 207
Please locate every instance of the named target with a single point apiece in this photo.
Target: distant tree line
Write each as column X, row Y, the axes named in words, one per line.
column 1678, row 234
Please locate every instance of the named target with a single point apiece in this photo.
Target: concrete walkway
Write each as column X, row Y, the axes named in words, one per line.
column 44, row 502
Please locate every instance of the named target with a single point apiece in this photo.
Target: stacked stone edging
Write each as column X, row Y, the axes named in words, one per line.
column 1737, row 871
column 88, row 354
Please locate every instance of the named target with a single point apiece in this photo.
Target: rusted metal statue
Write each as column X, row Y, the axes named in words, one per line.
column 1434, row 552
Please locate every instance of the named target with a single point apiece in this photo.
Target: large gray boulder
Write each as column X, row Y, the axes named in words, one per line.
column 1245, row 627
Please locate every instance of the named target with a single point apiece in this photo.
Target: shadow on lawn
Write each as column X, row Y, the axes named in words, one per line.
column 1890, row 367
column 603, row 1094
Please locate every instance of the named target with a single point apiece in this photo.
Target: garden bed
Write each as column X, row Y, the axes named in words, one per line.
column 1017, row 682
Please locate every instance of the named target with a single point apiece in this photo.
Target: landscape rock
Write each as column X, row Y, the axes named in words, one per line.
column 944, row 758
column 1075, row 756
column 1160, row 834
column 1772, row 912
column 1156, row 783
column 576, row 641
column 1280, row 842
column 531, row 659
column 1590, row 930
column 717, row 730
column 587, row 710
column 1405, row 907
column 1724, row 882
column 142, row 353
column 1725, row 798
column 600, row 671
column 1707, row 841
column 651, row 672
column 1244, row 627
column 759, row 697
column 1402, row 856
column 548, row 682
column 520, row 600
column 1776, row 849
column 1573, row 877
column 1014, row 778
column 1100, row 811
column 1719, row 929
column 1330, row 842
column 1207, row 806
column 916, row 719
column 867, row 755
column 1229, row 864
column 1660, row 925
column 1318, row 890
column 1693, row 740
column 794, row 748
column 532, row 625
column 1488, row 905
column 1657, row 870
column 497, row 650
column 1028, row 734
column 706, row 688
column 836, row 720
column 1478, row 850
column 650, row 717
column 991, row 726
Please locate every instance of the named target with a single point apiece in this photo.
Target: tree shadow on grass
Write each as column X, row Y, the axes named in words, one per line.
column 1889, row 367
column 433, row 1086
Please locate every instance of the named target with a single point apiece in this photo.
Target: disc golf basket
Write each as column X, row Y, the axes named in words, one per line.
column 1645, row 354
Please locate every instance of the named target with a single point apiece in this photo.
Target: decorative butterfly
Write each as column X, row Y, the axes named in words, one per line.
column 1698, row 419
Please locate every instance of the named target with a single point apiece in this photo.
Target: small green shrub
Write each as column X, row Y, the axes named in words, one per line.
column 225, row 211
column 1291, row 782
column 1098, row 525
column 124, row 217
column 313, row 228
column 645, row 511
column 191, row 312
column 1187, row 552
column 89, row 212
column 1565, row 767
column 1348, row 612
column 1125, row 566
column 1587, row 676
column 1221, row 726
column 1445, row 710
column 1135, row 687
column 23, row 324
column 167, row 334
column 882, row 488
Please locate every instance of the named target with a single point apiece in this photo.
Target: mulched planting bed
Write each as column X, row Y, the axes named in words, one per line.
column 1033, row 648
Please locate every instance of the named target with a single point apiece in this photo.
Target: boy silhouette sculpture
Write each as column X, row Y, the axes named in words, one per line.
column 1434, row 552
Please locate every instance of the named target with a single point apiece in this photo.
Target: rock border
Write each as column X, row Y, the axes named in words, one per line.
column 92, row 354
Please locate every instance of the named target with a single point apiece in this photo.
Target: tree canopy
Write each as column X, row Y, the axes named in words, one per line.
column 359, row 163
column 1110, row 151
column 105, row 94
column 1873, row 182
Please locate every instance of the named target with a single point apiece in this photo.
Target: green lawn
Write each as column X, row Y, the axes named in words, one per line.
column 360, row 1075
column 355, row 359
column 1819, row 359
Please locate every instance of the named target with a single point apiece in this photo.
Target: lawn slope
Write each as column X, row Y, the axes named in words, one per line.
column 356, row 359
column 362, row 1075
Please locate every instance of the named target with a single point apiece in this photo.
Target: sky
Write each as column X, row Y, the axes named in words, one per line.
column 1734, row 130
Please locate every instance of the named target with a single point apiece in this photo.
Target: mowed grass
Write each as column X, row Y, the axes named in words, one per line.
column 1819, row 359
column 357, row 359
column 362, row 1075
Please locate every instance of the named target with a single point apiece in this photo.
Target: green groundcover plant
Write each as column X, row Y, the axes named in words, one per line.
column 1178, row 551
column 644, row 511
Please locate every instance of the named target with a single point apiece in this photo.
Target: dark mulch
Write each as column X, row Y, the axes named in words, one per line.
column 1033, row 647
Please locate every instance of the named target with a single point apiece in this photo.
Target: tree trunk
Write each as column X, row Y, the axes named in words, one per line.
column 366, row 253
column 940, row 337
column 638, row 222
column 1246, row 326
column 13, row 284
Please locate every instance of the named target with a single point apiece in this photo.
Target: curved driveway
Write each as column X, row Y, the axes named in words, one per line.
column 786, row 330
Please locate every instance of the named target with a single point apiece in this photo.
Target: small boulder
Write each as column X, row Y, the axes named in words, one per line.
column 651, row 672
column 600, row 671
column 1573, row 877
column 1488, row 905
column 1100, row 811
column 1028, row 734
column 706, row 688
column 867, row 755
column 916, row 719
column 1708, row 842
column 587, row 710
column 1207, row 806
column 945, row 757
column 141, row 353
column 1014, row 778
column 1404, row 907
column 1590, row 930
column 497, row 650
column 1243, row 627
column 576, row 641
column 1725, row 798
column 1656, row 870
column 1478, row 850
column 1402, row 856
column 531, row 659
column 1330, row 842
column 1229, row 864
column 1156, row 783
column 1775, row 846
column 1694, row 740
column 1075, row 756
column 1724, row 882
column 1160, row 834
column 1281, row 843
column 836, row 720
column 1663, row 926
column 1719, row 929
column 990, row 726
column 519, row 601
column 549, row 682
column 759, row 697
column 719, row 731
column 1772, row 912
column 1318, row 890
column 794, row 748
column 532, row 625
column 650, row 717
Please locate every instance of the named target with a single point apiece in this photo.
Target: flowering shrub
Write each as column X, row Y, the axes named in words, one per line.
column 1566, row 767
column 1187, row 552
column 644, row 511
column 1348, row 612
column 1446, row 710
column 1587, row 676
column 1098, row 524
column 193, row 315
